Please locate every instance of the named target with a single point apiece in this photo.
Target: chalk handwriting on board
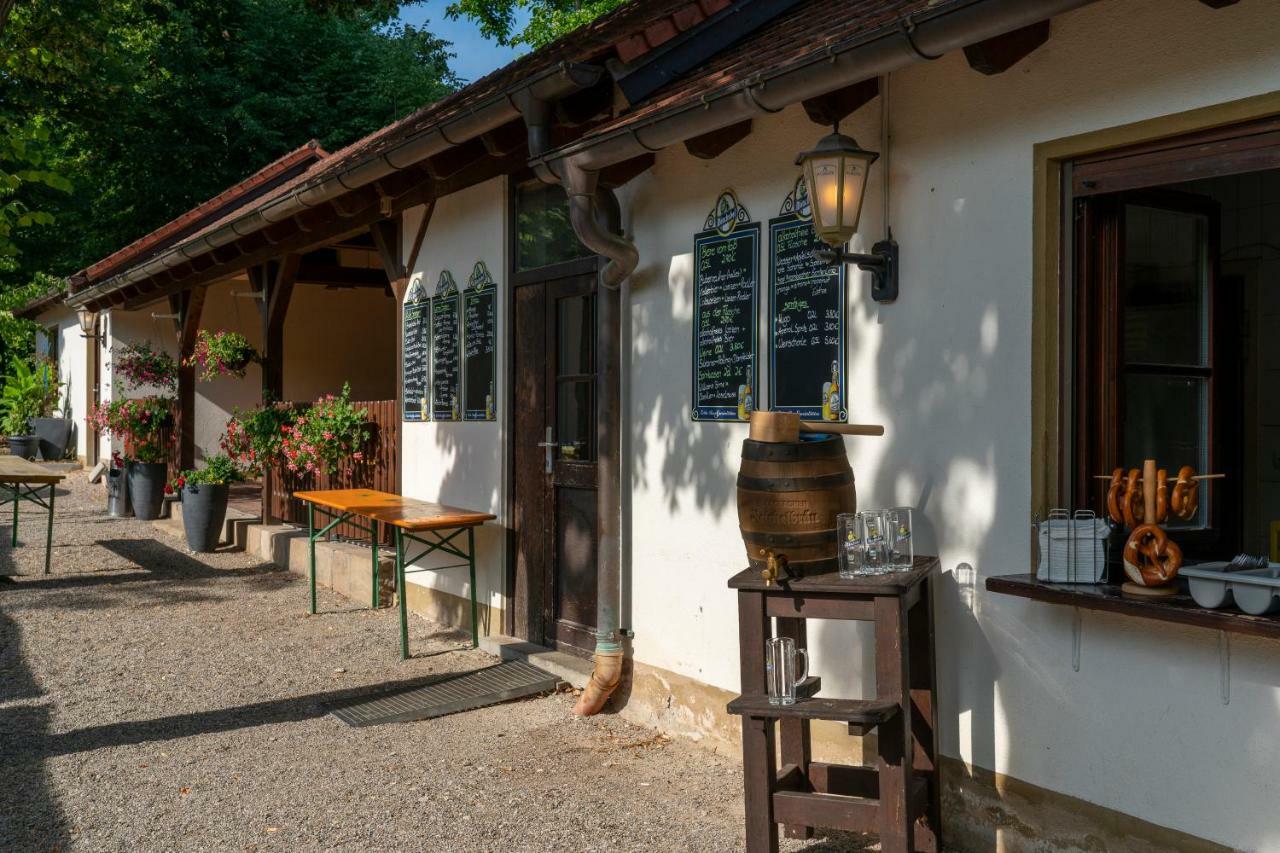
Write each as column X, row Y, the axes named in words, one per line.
column 806, row 318
column 445, row 373
column 416, row 350
column 479, row 352
column 726, row 280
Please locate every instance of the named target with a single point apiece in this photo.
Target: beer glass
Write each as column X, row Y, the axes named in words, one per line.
column 897, row 522
column 849, row 536
column 780, row 669
column 875, row 543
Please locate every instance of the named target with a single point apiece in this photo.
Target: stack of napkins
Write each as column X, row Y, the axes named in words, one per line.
column 1073, row 551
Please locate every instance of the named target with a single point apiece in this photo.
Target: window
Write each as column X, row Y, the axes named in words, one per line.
column 544, row 234
column 1169, row 348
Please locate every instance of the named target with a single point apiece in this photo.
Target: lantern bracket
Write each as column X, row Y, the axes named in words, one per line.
column 882, row 263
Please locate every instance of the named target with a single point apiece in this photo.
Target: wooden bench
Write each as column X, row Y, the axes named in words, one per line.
column 407, row 517
column 24, row 480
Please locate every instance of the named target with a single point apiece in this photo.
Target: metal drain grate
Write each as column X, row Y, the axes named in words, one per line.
column 465, row 692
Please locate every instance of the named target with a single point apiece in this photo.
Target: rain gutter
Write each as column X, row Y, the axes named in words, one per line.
column 923, row 36
column 549, row 85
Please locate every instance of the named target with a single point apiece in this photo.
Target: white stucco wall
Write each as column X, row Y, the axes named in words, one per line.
column 947, row 369
column 464, row 463
column 73, row 360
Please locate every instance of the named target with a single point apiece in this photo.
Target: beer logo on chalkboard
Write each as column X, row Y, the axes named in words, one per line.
column 727, row 215
column 445, row 285
column 797, row 201
column 416, row 292
column 480, row 277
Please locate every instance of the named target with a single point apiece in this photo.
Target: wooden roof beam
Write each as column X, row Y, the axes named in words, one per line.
column 333, row 275
column 996, row 55
column 833, row 107
column 711, row 145
column 620, row 173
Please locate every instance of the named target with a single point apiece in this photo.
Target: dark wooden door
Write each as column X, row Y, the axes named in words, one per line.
column 554, row 436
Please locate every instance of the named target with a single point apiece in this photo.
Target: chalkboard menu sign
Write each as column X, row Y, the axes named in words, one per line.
column 416, row 347
column 445, row 373
column 806, row 318
column 479, row 333
column 726, row 279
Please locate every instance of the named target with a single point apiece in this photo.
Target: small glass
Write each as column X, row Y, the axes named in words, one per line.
column 897, row 523
column 849, row 535
column 780, row 670
column 875, row 555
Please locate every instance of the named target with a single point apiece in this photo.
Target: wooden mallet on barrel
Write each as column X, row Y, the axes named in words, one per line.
column 785, row 427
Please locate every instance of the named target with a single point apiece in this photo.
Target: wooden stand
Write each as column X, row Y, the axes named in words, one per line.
column 899, row 796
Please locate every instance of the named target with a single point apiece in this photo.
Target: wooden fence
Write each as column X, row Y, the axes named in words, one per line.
column 379, row 470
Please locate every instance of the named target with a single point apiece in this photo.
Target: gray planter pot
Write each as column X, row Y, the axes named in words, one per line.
column 24, row 446
column 55, row 437
column 146, row 488
column 204, row 509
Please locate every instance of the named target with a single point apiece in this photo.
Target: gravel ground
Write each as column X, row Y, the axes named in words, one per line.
column 151, row 699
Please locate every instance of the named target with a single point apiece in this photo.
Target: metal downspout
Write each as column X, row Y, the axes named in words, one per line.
column 597, row 222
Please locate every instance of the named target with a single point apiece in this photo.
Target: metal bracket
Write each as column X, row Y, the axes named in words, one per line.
column 882, row 263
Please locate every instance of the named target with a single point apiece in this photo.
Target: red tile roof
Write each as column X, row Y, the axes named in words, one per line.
column 230, row 200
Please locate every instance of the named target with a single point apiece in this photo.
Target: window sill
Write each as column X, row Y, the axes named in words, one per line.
column 1180, row 609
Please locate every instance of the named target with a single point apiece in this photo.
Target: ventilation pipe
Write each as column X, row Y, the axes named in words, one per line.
column 597, row 222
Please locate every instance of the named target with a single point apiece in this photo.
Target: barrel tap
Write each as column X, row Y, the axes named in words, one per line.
column 776, row 566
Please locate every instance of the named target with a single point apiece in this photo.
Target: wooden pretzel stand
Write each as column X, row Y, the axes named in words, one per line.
column 1142, row 502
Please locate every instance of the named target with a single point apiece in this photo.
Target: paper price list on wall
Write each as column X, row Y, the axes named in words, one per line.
column 726, row 283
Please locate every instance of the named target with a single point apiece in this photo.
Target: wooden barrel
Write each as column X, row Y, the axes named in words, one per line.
column 789, row 495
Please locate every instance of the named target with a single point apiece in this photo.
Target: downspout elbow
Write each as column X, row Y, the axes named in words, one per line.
column 589, row 210
column 605, row 678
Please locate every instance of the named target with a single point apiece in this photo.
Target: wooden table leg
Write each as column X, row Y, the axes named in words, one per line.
column 753, row 631
column 794, row 733
column 895, row 759
column 759, row 769
column 924, row 715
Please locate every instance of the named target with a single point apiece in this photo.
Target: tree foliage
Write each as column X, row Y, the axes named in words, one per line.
column 548, row 19
column 145, row 108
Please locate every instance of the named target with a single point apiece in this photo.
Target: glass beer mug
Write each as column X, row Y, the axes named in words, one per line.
column 780, row 670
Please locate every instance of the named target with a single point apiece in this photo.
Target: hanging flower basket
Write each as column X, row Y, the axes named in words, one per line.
column 142, row 367
column 221, row 353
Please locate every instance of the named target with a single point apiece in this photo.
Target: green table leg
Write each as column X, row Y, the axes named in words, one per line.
column 402, row 594
column 311, row 539
column 48, row 536
column 15, row 516
column 471, row 560
column 373, row 542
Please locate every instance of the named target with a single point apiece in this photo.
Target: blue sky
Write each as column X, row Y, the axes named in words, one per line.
column 476, row 55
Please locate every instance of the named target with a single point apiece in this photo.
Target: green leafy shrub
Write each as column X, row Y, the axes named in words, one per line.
column 143, row 424
column 332, row 431
column 218, row 470
column 253, row 438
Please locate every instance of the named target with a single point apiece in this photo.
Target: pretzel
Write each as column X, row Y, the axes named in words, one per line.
column 1132, row 503
column 1113, row 496
column 1185, row 500
column 1162, row 496
column 1151, row 558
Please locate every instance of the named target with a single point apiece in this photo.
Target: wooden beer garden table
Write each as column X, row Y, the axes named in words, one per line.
column 24, row 480
column 408, row 517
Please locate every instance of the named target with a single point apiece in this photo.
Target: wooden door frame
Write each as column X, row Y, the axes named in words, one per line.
column 569, row 269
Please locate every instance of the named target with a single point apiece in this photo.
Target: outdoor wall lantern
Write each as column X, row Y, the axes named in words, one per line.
column 835, row 174
column 88, row 322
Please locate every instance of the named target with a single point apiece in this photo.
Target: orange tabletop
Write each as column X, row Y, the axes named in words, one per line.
column 402, row 512
column 14, row 469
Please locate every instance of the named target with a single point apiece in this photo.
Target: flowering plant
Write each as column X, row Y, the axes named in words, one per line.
column 254, row 437
column 140, row 366
column 218, row 470
column 141, row 423
column 221, row 353
column 332, row 430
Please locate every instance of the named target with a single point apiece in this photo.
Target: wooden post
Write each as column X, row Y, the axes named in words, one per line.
column 274, row 280
column 188, row 305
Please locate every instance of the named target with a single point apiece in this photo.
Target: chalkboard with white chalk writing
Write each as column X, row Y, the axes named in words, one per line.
column 806, row 318
column 445, row 372
column 416, row 349
column 479, row 355
column 726, row 284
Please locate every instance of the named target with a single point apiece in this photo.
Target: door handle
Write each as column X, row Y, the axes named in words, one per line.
column 550, row 446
